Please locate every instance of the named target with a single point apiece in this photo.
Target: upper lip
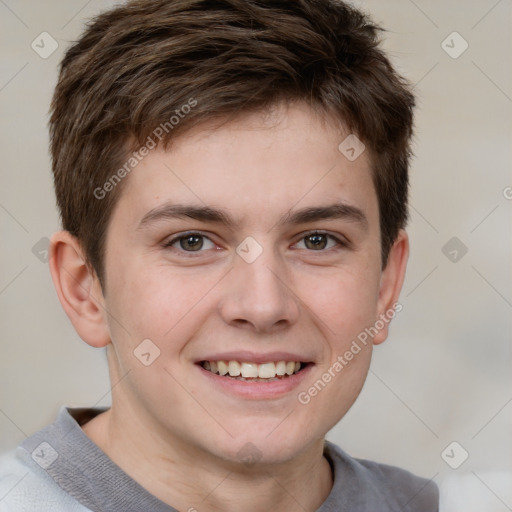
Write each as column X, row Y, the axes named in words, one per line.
column 252, row 357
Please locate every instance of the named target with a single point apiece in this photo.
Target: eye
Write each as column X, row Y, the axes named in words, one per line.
column 191, row 242
column 319, row 242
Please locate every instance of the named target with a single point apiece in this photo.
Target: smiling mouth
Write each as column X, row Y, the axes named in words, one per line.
column 253, row 372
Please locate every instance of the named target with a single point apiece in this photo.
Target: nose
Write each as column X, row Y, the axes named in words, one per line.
column 259, row 296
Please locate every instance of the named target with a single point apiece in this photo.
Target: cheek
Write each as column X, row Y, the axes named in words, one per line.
column 158, row 303
column 343, row 301
column 336, row 385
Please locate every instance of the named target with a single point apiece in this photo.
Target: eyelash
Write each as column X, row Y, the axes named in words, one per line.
column 339, row 242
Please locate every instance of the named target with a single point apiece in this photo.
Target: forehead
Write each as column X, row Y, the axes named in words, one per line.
column 257, row 166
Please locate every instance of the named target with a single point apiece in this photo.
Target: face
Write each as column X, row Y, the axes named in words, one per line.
column 251, row 248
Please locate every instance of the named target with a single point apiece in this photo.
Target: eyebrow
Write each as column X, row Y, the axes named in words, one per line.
column 331, row 212
column 215, row 215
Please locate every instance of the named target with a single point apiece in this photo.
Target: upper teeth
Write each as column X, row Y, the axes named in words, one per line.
column 247, row 370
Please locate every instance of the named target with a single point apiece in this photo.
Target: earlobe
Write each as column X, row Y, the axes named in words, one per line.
column 391, row 282
column 78, row 289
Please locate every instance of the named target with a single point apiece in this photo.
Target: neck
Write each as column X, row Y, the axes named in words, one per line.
column 187, row 478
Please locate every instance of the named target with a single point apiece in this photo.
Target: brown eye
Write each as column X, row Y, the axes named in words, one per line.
column 192, row 243
column 320, row 242
column 316, row 242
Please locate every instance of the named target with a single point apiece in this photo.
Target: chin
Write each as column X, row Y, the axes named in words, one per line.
column 261, row 446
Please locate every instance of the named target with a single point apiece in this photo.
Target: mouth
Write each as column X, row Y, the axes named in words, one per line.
column 271, row 371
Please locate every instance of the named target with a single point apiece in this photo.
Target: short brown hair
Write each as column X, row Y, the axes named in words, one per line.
column 137, row 65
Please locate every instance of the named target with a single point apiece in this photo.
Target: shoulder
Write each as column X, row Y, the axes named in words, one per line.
column 380, row 485
column 26, row 487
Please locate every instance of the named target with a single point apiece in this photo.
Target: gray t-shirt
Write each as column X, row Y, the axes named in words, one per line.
column 60, row 469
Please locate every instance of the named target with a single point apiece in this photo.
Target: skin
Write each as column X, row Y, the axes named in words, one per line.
column 169, row 427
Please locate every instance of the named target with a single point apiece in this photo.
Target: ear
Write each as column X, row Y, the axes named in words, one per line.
column 78, row 289
column 391, row 281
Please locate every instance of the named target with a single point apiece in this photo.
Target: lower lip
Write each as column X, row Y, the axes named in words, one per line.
column 257, row 390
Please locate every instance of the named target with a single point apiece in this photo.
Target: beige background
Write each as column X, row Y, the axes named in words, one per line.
column 445, row 373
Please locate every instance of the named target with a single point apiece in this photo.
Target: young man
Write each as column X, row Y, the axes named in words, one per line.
column 232, row 179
